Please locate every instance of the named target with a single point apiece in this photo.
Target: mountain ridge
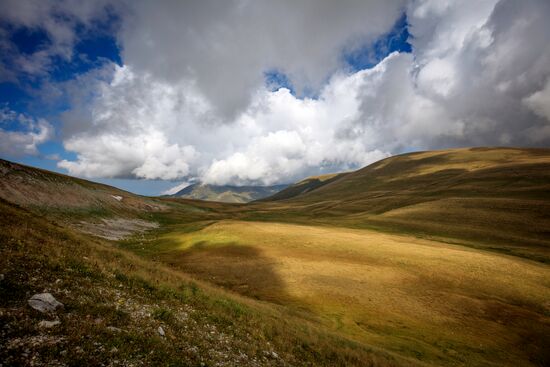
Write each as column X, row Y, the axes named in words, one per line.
column 227, row 193
column 308, row 184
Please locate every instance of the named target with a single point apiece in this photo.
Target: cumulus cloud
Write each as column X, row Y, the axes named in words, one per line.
column 142, row 127
column 127, row 130
column 204, row 88
column 226, row 46
column 473, row 64
column 539, row 101
column 477, row 61
column 191, row 99
column 25, row 133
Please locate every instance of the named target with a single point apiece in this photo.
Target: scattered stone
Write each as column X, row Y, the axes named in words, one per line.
column 44, row 302
column 161, row 331
column 114, row 350
column 48, row 324
column 1, row 277
column 117, row 197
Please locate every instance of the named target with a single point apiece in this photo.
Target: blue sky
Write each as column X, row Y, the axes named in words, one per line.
column 94, row 50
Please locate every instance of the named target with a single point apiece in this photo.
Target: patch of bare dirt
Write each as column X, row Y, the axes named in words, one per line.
column 115, row 229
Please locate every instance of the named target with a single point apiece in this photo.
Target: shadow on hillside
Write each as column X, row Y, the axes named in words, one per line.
column 241, row 269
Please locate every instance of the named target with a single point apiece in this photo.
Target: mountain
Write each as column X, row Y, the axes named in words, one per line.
column 304, row 186
column 226, row 193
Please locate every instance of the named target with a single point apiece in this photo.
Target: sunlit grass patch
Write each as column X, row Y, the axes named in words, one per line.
column 424, row 299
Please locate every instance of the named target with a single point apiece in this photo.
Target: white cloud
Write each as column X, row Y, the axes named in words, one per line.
column 141, row 127
column 225, row 47
column 291, row 137
column 129, row 129
column 176, row 189
column 437, row 77
column 148, row 156
column 539, row 101
column 25, row 135
column 190, row 100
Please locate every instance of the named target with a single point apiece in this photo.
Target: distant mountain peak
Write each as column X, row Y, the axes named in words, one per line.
column 227, row 193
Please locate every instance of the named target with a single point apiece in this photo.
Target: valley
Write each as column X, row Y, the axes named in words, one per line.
column 424, row 299
column 427, row 259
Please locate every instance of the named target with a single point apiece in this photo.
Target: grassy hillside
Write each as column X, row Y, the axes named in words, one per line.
column 114, row 303
column 369, row 268
column 54, row 193
column 304, row 186
column 438, row 303
column 496, row 198
column 87, row 206
column 227, row 193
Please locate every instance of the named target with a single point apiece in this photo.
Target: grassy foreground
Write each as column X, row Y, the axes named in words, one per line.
column 114, row 303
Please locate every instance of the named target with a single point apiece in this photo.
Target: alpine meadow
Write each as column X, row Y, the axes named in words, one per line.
column 275, row 183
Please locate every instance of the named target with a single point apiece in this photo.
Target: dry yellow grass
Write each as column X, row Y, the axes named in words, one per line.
column 115, row 301
column 429, row 300
column 496, row 198
column 408, row 292
column 469, row 159
column 324, row 177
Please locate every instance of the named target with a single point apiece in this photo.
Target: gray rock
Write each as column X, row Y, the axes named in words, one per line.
column 48, row 324
column 44, row 302
column 161, row 331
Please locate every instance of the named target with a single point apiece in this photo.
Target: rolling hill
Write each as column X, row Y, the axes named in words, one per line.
column 118, row 307
column 87, row 206
column 227, row 193
column 498, row 198
column 56, row 193
column 304, row 186
column 422, row 259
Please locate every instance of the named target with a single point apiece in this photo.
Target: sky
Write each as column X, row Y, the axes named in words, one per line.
column 151, row 95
